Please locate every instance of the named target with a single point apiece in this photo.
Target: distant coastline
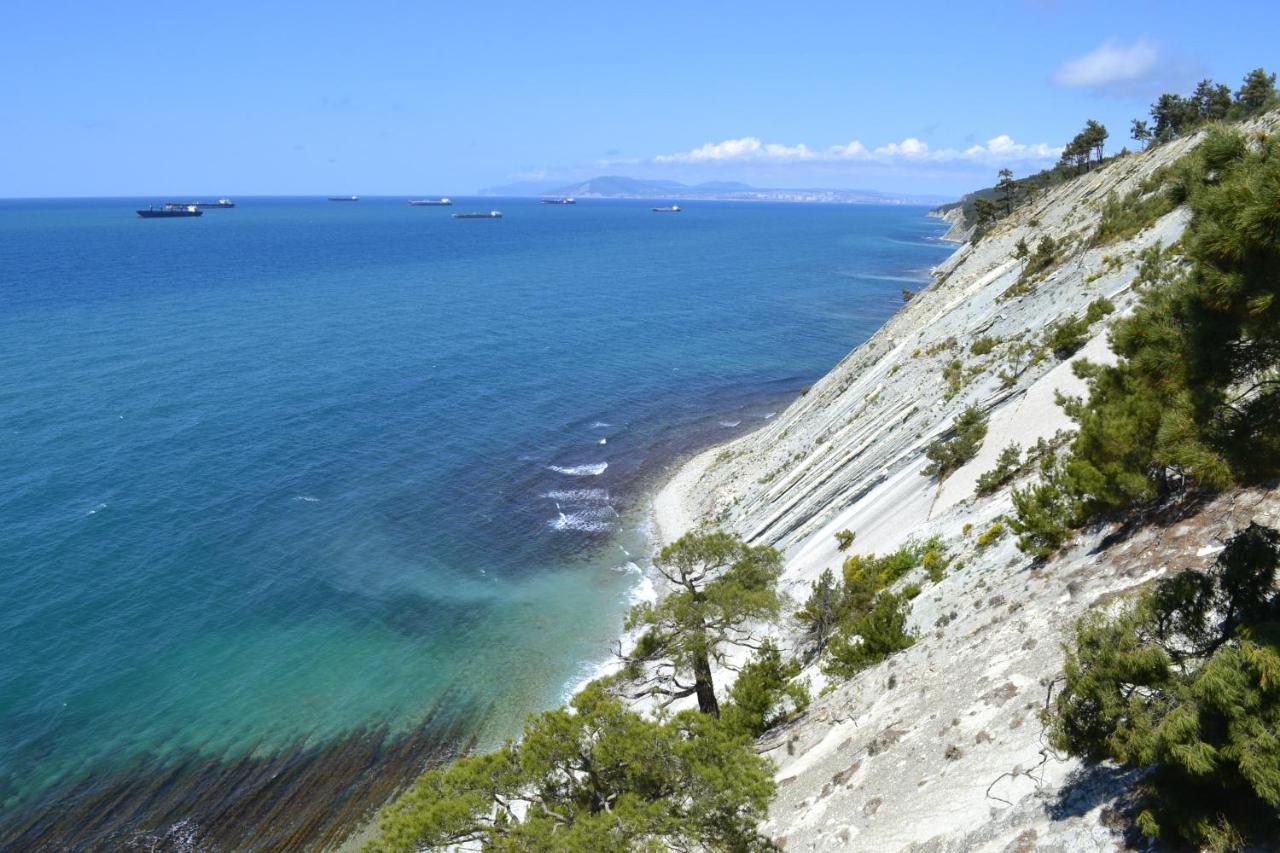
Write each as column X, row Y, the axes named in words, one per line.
column 620, row 187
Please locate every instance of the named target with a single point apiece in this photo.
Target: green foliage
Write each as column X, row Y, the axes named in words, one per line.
column 1257, row 93
column 1007, row 190
column 1038, row 263
column 984, row 345
column 992, row 535
column 869, row 623
column 1008, row 464
column 718, row 584
column 1047, row 512
column 948, row 454
column 1123, row 218
column 953, row 375
column 907, row 294
column 1177, row 115
column 844, row 538
column 870, row 636
column 1186, row 684
column 1065, row 337
column 1194, row 399
column 822, row 611
column 765, row 693
column 597, row 778
column 1079, row 152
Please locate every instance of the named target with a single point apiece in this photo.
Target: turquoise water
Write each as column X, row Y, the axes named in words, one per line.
column 298, row 467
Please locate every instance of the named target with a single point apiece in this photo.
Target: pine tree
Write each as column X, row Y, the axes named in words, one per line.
column 1007, row 188
column 1186, row 684
column 594, row 778
column 1257, row 93
column 1140, row 132
column 719, row 584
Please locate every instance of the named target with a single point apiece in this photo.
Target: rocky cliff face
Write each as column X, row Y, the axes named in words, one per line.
column 941, row 746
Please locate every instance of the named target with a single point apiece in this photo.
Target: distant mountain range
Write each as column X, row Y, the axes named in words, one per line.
column 617, row 186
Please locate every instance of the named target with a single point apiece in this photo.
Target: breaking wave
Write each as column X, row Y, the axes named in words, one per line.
column 592, row 470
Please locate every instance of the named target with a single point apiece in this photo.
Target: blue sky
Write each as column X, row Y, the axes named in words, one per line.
column 127, row 98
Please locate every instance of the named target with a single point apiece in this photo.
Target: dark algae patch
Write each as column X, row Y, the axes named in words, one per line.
column 299, row 797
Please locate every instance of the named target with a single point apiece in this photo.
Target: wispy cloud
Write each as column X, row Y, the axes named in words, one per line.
column 999, row 150
column 1114, row 68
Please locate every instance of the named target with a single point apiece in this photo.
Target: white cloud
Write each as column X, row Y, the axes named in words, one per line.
column 1111, row 65
column 1001, row 149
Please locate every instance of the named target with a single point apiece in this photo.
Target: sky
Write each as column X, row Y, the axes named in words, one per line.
column 390, row 98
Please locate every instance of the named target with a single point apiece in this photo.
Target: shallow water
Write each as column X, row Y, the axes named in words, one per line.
column 285, row 471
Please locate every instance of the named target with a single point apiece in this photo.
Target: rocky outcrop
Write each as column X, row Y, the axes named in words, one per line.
column 941, row 747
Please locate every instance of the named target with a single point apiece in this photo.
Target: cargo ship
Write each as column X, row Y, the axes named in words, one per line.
column 430, row 202
column 493, row 214
column 344, row 198
column 675, row 208
column 220, row 204
column 170, row 211
column 559, row 201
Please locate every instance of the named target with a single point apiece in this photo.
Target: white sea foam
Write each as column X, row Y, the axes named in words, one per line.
column 769, row 415
column 601, row 425
column 307, row 498
column 730, row 424
column 592, row 470
column 589, row 520
column 577, row 495
column 94, row 511
column 603, row 441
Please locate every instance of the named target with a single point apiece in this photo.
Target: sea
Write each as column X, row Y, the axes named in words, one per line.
column 299, row 497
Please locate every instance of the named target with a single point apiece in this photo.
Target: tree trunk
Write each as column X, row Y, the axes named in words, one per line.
column 707, row 703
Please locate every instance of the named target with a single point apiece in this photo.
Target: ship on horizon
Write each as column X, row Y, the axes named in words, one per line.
column 493, row 214
column 170, row 211
column 430, row 202
column 220, row 204
column 559, row 201
column 675, row 208
column 344, row 198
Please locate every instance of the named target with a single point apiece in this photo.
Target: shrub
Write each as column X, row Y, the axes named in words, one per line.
column 1123, row 218
column 1067, row 336
column 844, row 538
column 822, row 611
column 1038, row 262
column 984, row 345
column 1185, row 683
column 948, row 454
column 1046, row 513
column 870, row 637
column 765, row 693
column 992, row 535
column 953, row 375
column 1008, row 463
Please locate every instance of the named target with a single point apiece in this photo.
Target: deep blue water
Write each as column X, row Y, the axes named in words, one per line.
column 291, row 468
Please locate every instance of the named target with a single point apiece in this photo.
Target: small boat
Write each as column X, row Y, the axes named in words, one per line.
column 675, row 208
column 170, row 211
column 493, row 214
column 559, row 201
column 430, row 202
column 344, row 198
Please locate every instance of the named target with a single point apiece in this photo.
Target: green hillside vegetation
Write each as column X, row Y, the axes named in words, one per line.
column 855, row 622
column 1194, row 402
column 1172, row 116
column 595, row 777
column 1185, row 684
